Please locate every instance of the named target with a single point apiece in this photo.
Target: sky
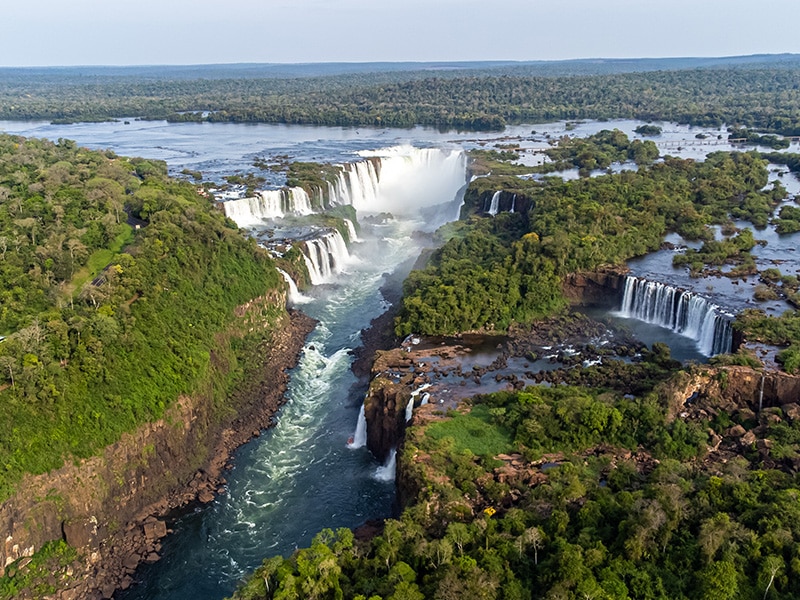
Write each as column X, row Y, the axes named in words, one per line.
column 173, row 32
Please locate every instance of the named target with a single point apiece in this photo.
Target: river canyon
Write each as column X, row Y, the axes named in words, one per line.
column 311, row 469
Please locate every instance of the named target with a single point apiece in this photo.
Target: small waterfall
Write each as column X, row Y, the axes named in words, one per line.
column 359, row 439
column 494, row 207
column 409, row 409
column 425, row 397
column 386, row 472
column 295, row 296
column 513, row 203
column 325, row 256
column 268, row 204
column 351, row 230
column 685, row 313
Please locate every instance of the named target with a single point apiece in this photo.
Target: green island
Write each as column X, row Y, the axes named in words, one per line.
column 125, row 291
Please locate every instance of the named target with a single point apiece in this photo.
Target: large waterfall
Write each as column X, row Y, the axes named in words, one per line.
column 325, row 256
column 685, row 313
column 268, row 204
column 400, row 180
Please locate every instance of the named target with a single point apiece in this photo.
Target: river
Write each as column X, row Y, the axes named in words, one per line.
column 300, row 476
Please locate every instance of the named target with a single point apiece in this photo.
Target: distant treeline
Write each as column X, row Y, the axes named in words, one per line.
column 762, row 97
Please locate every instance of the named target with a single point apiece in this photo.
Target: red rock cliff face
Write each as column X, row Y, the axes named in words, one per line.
column 595, row 288
column 110, row 506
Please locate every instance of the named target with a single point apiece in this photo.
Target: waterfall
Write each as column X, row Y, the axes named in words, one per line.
column 495, row 204
column 295, row 296
column 325, row 256
column 409, row 409
column 359, row 439
column 685, row 313
column 268, row 204
column 387, row 470
column 513, row 203
column 351, row 230
column 400, row 180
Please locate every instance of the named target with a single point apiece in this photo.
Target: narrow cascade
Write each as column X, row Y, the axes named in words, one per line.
column 425, row 397
column 295, row 295
column 513, row 203
column 268, row 204
column 359, row 439
column 351, row 230
column 494, row 207
column 685, row 313
column 325, row 256
column 386, row 472
column 409, row 409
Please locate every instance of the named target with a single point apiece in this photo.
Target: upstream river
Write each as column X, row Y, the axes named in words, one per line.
column 300, row 476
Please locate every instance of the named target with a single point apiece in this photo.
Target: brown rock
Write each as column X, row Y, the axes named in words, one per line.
column 131, row 562
column 155, row 530
column 792, row 411
column 748, row 438
column 736, row 431
column 81, row 533
column 205, row 497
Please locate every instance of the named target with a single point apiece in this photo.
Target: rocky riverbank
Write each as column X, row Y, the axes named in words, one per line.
column 113, row 508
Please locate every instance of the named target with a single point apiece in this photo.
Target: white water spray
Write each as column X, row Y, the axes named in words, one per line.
column 386, row 472
column 325, row 256
column 295, row 295
column 359, row 439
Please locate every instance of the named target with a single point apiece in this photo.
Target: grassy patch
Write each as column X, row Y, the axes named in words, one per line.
column 474, row 431
column 100, row 258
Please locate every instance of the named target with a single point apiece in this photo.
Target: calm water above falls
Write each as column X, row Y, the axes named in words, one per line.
column 299, row 476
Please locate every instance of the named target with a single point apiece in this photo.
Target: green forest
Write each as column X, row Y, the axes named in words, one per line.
column 571, row 493
column 115, row 282
column 493, row 272
column 758, row 96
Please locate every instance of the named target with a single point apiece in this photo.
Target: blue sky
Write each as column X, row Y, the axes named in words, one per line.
column 102, row 32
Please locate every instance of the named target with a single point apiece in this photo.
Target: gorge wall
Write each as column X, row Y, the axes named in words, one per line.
column 110, row 507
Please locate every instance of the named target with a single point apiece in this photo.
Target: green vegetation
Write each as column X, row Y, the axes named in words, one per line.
column 598, row 496
column 496, row 271
column 756, row 97
column 788, row 220
column 598, row 151
column 751, row 137
column 88, row 359
column 648, row 130
column 730, row 251
column 778, row 331
column 34, row 575
column 474, row 432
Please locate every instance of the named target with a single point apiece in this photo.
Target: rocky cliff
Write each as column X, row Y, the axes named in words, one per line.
column 595, row 288
column 111, row 507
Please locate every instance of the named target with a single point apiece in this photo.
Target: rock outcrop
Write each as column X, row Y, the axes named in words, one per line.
column 385, row 403
column 595, row 288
